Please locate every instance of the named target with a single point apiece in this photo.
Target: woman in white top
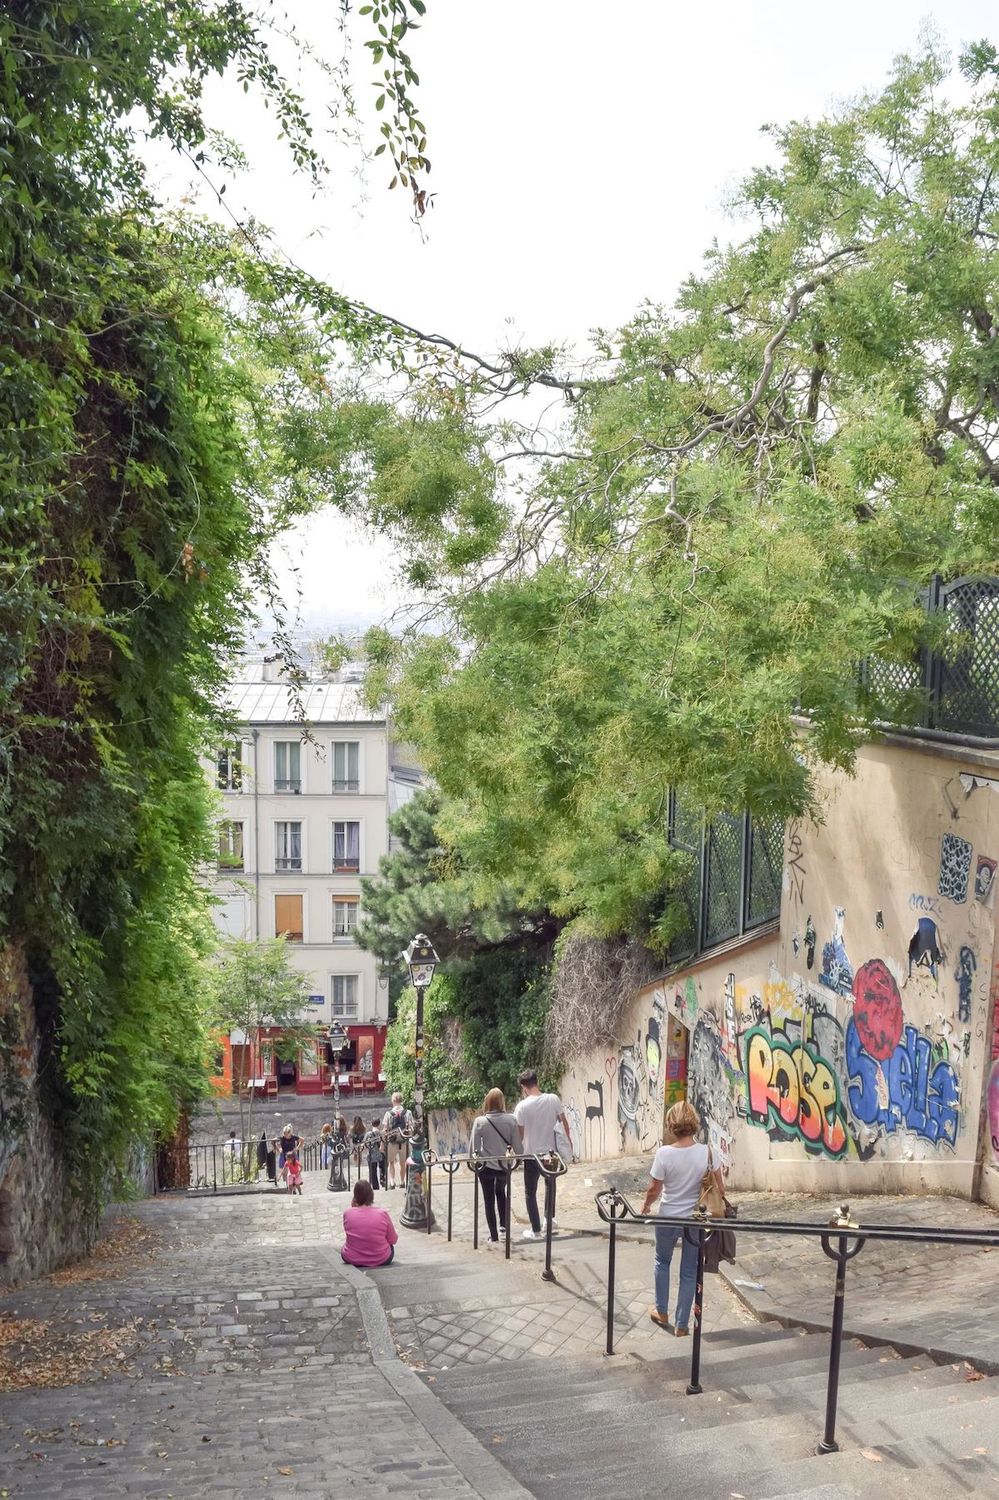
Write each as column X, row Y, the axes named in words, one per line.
column 676, row 1176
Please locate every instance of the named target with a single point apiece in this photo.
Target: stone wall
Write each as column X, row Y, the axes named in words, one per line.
column 858, row 1048
column 40, row 1226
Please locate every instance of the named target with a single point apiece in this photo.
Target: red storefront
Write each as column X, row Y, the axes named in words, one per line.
column 310, row 1071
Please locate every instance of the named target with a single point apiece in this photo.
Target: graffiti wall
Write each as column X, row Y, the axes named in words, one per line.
column 858, row 1048
column 449, row 1130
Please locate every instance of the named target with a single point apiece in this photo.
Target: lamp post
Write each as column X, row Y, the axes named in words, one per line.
column 421, row 960
column 338, row 1040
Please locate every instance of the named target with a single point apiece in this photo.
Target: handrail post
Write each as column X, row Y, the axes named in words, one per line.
column 215, row 1183
column 548, row 1274
column 508, row 1216
column 475, row 1210
column 829, row 1443
column 450, row 1197
column 694, row 1387
column 428, row 1159
column 611, row 1272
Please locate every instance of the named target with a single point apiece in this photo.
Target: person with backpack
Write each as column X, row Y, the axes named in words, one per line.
column 495, row 1133
column 397, row 1127
column 374, row 1148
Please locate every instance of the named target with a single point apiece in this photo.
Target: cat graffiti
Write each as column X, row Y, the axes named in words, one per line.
column 792, row 1091
column 908, row 1091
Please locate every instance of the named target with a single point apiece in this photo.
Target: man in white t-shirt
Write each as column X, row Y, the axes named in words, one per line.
column 537, row 1114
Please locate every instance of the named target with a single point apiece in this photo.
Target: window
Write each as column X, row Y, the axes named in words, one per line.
column 344, row 916
column 308, row 1062
column 287, row 846
column 346, row 766
column 230, row 770
column 730, row 882
column 345, row 995
column 288, row 918
column 287, row 766
column 346, row 846
column 230, row 846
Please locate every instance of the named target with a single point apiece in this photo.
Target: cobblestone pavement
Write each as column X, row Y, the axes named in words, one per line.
column 255, row 1363
column 936, row 1298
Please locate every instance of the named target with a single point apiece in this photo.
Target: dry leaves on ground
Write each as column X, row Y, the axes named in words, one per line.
column 37, row 1354
column 128, row 1243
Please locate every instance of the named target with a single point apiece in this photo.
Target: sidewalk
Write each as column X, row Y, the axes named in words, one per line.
column 238, row 1358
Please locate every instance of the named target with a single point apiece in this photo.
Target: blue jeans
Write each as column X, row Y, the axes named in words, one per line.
column 666, row 1238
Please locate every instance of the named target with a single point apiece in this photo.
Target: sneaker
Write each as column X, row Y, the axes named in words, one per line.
column 529, row 1234
column 658, row 1317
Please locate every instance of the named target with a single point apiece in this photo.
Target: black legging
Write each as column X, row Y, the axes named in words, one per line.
column 494, row 1197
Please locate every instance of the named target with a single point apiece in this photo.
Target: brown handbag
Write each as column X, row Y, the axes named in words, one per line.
column 712, row 1199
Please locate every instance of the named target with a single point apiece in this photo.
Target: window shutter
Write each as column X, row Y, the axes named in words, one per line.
column 288, row 917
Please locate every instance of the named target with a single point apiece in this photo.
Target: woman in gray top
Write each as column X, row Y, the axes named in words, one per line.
column 494, row 1133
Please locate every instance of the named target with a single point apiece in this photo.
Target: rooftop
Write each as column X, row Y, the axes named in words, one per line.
column 314, row 703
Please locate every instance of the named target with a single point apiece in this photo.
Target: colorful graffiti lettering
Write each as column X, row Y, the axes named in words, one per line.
column 994, row 1110
column 790, row 1089
column 911, row 1092
column 925, row 903
column 877, row 1008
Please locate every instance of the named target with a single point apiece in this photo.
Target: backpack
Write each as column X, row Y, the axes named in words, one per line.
column 397, row 1125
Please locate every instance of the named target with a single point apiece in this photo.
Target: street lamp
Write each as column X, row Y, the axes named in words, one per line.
column 338, row 1040
column 421, row 961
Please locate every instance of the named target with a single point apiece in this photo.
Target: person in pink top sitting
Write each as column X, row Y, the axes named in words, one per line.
column 370, row 1234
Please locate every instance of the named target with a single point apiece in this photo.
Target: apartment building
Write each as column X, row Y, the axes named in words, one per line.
column 306, row 804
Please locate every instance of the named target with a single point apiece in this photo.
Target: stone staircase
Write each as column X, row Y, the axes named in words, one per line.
column 623, row 1428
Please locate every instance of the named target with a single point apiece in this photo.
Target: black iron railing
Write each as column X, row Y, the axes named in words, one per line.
column 841, row 1239
column 242, row 1164
column 550, row 1166
column 952, row 689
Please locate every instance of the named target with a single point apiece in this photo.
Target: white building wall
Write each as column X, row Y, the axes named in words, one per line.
column 247, row 898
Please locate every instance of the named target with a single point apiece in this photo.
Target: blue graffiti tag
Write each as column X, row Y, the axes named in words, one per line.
column 964, row 974
column 923, row 1096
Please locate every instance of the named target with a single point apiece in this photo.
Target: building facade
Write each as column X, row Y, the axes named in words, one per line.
column 306, row 802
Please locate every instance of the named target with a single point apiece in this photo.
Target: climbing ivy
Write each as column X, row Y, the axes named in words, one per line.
column 157, row 385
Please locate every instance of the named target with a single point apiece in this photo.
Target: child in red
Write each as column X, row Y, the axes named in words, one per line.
column 294, row 1170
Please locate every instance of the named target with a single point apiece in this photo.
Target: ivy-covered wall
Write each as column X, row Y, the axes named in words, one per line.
column 38, row 1224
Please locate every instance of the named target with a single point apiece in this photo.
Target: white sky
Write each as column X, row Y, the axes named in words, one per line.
column 582, row 152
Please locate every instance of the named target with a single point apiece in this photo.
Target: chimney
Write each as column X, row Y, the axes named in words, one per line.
column 274, row 668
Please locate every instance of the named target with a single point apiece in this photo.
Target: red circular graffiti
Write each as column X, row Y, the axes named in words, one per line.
column 877, row 1008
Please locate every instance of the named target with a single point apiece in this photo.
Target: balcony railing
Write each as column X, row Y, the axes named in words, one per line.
column 350, row 785
column 288, row 784
column 288, row 862
column 953, row 689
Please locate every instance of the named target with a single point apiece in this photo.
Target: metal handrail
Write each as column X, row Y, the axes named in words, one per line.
column 835, row 1237
column 551, row 1166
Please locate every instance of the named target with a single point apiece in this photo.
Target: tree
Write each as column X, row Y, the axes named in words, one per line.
column 255, row 985
column 166, row 383
column 486, row 1010
column 742, row 502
